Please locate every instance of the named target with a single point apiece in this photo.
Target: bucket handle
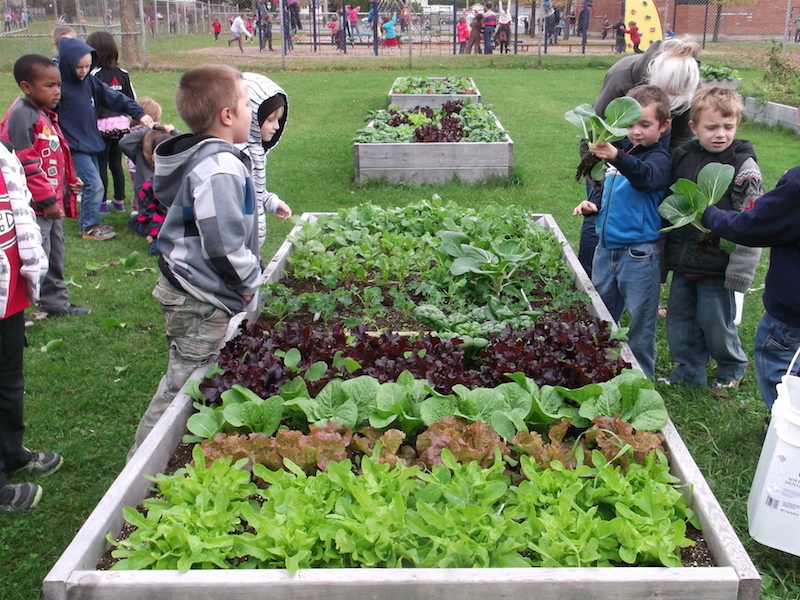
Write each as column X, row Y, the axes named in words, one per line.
column 794, row 360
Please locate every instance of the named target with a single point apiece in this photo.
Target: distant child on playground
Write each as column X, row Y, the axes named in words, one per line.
column 701, row 307
column 266, row 32
column 111, row 124
column 238, row 30
column 210, row 260
column 626, row 268
column 462, row 32
column 390, row 35
column 82, row 95
column 270, row 107
column 336, row 33
column 636, row 37
column 31, row 126
column 216, row 27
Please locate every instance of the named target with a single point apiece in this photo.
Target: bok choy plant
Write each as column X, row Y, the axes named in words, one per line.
column 689, row 199
column 620, row 114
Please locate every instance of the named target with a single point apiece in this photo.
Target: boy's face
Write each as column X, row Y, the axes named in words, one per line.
column 241, row 116
column 647, row 130
column 714, row 132
column 44, row 91
column 272, row 124
column 83, row 66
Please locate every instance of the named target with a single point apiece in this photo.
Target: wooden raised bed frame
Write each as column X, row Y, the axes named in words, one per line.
column 74, row 575
column 432, row 100
column 434, row 162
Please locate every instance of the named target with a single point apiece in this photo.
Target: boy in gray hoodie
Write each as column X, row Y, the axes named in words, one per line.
column 210, row 261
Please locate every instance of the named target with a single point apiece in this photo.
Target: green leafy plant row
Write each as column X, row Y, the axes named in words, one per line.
column 456, row 515
column 468, row 123
column 445, row 255
column 434, row 85
column 411, row 404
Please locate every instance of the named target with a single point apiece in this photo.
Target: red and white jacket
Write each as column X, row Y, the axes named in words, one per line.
column 41, row 147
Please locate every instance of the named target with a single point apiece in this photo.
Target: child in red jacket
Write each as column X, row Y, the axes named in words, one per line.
column 32, row 129
column 636, row 38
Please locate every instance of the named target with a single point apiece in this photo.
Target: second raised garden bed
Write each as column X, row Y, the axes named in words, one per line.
column 402, row 146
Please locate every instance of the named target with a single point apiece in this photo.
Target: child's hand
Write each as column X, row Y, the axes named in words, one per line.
column 604, row 150
column 148, row 121
column 52, row 212
column 585, row 208
column 76, row 187
column 283, row 211
column 169, row 128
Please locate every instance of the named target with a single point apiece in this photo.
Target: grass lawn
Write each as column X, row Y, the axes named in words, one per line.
column 84, row 398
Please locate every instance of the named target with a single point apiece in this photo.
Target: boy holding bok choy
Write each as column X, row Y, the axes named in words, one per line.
column 706, row 271
column 626, row 265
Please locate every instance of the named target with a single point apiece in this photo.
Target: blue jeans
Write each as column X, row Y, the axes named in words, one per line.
column 775, row 345
column 488, row 42
column 629, row 279
column 700, row 325
column 588, row 243
column 93, row 194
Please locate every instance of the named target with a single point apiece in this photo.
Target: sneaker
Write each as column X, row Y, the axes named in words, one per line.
column 71, row 309
column 726, row 385
column 20, row 496
column 42, row 463
column 39, row 315
column 28, row 321
column 104, row 208
column 97, row 232
column 118, row 205
column 665, row 380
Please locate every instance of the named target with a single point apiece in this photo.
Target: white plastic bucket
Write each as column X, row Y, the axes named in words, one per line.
column 773, row 508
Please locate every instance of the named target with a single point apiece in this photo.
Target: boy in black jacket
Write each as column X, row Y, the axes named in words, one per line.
column 774, row 222
column 701, row 309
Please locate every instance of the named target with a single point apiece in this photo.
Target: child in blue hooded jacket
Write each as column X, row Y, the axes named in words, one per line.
column 626, row 268
column 82, row 95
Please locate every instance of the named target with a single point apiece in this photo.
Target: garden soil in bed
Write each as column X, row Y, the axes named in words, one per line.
column 698, row 555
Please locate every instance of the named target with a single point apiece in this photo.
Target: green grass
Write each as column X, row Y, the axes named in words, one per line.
column 85, row 398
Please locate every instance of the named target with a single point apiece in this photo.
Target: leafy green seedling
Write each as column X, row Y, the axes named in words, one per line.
column 689, row 199
column 620, row 114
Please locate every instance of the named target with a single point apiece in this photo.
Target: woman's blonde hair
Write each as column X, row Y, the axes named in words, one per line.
column 675, row 70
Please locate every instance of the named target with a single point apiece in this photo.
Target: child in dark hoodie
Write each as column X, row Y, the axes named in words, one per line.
column 82, row 95
column 210, row 261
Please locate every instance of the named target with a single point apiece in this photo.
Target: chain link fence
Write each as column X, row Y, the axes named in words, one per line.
column 183, row 33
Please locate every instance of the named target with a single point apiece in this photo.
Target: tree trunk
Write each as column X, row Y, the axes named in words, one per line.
column 130, row 26
column 567, row 22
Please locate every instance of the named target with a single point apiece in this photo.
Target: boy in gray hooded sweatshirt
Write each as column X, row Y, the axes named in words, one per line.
column 210, row 261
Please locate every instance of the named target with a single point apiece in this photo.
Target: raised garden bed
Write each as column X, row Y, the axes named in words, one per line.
column 771, row 113
column 74, row 575
column 404, row 153
column 408, row 92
